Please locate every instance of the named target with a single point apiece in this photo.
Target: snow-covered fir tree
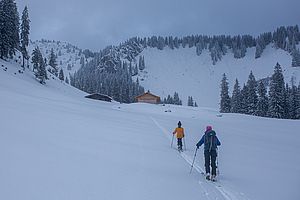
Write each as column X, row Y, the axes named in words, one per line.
column 9, row 28
column 190, row 101
column 67, row 80
column 141, row 63
column 176, row 99
column 135, row 71
column 262, row 101
column 168, row 100
column 25, row 27
column 243, row 100
column 286, row 93
column 39, row 66
column 236, row 98
column 35, row 60
column 259, row 47
column 53, row 63
column 295, row 58
column 82, row 62
column 276, row 94
column 251, row 98
column 225, row 99
column 173, row 100
column 293, row 101
column 61, row 75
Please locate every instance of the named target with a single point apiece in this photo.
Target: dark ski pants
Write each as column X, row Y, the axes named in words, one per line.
column 210, row 159
column 179, row 142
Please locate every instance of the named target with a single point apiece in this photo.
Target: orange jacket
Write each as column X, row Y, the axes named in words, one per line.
column 179, row 132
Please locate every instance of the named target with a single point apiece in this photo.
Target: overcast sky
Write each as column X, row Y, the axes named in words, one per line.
column 95, row 24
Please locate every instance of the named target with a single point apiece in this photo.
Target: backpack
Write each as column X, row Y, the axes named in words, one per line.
column 210, row 140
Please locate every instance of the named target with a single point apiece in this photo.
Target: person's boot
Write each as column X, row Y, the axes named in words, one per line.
column 207, row 176
column 213, row 178
column 179, row 148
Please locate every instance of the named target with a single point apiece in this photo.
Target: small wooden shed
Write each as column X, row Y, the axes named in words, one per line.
column 148, row 98
column 101, row 97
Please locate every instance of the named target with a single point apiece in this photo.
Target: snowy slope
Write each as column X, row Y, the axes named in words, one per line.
column 55, row 144
column 68, row 55
column 181, row 70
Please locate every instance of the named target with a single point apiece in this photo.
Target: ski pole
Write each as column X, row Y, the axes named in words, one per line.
column 184, row 144
column 194, row 160
column 172, row 141
column 218, row 170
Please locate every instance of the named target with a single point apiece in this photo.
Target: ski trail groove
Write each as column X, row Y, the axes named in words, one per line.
column 228, row 195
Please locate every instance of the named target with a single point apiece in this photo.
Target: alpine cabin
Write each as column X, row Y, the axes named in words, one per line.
column 148, row 98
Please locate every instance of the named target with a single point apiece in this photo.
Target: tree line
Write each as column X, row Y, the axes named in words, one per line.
column 275, row 99
column 106, row 74
column 285, row 38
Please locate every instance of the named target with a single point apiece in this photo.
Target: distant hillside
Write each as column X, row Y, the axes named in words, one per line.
column 193, row 65
column 179, row 70
column 68, row 57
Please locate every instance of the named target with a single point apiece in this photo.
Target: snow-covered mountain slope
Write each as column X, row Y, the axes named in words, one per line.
column 68, row 57
column 55, row 144
column 181, row 70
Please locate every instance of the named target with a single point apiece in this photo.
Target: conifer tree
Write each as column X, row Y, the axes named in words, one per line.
column 25, row 27
column 259, row 47
column 170, row 100
column 251, row 95
column 39, row 66
column 42, row 73
column 225, row 99
column 236, row 98
column 276, row 94
column 295, row 58
column 199, row 49
column 61, row 75
column 9, row 28
column 286, row 93
column 262, row 102
column 67, row 80
column 135, row 71
column 35, row 59
column 52, row 63
column 176, row 99
column 141, row 63
column 190, row 101
column 243, row 100
column 293, row 101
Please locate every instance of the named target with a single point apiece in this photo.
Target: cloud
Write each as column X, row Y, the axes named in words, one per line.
column 95, row 24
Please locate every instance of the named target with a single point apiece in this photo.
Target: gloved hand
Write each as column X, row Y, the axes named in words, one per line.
column 197, row 146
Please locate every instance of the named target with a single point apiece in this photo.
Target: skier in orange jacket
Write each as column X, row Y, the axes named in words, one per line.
column 179, row 131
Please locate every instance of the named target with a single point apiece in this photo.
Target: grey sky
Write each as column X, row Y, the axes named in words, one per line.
column 96, row 23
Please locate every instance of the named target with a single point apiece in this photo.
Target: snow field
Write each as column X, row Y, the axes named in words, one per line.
column 55, row 144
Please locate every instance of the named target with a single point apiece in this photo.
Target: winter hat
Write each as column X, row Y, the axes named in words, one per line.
column 179, row 123
column 208, row 128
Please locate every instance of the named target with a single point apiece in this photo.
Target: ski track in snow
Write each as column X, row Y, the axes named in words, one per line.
column 210, row 189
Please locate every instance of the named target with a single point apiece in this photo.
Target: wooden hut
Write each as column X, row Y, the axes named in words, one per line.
column 101, row 97
column 148, row 98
